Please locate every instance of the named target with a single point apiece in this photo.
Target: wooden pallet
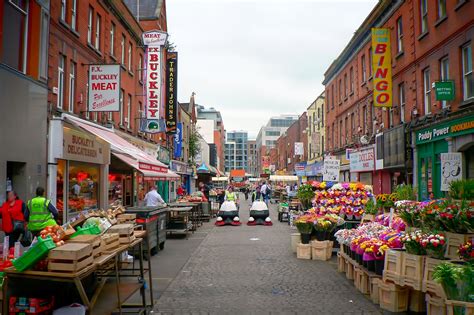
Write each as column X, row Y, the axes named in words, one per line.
column 110, row 242
column 71, row 257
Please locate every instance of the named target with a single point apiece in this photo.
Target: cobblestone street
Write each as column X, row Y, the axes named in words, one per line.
column 250, row 270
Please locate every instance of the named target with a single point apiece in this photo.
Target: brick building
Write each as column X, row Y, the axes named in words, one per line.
column 430, row 41
column 285, row 145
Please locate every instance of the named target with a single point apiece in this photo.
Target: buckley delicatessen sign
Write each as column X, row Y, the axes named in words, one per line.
column 104, row 88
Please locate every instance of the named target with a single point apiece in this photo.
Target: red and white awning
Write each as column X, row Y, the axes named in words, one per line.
column 149, row 174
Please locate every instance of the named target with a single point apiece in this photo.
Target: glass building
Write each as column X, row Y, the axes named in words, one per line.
column 236, row 150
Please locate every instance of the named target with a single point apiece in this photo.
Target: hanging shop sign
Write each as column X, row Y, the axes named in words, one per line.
column 300, row 169
column 382, row 67
column 331, row 169
column 180, row 167
column 451, row 169
column 444, row 90
column 453, row 128
column 299, row 148
column 154, row 38
column 362, row 160
column 163, row 155
column 104, row 88
column 80, row 146
column 178, row 140
column 171, row 92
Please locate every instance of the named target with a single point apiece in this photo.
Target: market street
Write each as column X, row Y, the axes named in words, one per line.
column 251, row 269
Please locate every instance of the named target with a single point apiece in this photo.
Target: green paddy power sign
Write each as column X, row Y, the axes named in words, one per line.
column 453, row 128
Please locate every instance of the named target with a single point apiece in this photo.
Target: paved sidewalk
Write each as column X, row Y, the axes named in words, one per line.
column 251, row 270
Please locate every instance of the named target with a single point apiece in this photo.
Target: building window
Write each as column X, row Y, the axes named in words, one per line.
column 89, row 25
column 467, row 76
column 129, row 110
column 427, row 91
column 332, row 96
column 424, row 15
column 72, row 85
column 370, row 62
column 351, row 79
column 444, row 74
column 364, row 113
column 97, row 32
column 121, row 107
column 340, row 133
column 345, row 85
column 441, row 9
column 63, row 10
column 352, row 123
column 390, row 117
column 399, row 35
column 140, row 69
column 44, row 42
column 340, row 90
column 130, row 56
column 112, row 40
column 122, row 47
column 364, row 72
column 74, row 14
column 401, row 95
column 61, row 63
column 15, row 40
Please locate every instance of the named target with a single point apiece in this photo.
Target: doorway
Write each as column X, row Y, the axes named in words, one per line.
column 16, row 178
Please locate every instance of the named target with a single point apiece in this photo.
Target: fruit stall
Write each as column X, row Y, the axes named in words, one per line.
column 84, row 264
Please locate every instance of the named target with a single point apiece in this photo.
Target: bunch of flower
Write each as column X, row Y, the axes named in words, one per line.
column 457, row 217
column 409, row 212
column 434, row 244
column 412, row 242
column 385, row 200
column 466, row 251
column 304, row 223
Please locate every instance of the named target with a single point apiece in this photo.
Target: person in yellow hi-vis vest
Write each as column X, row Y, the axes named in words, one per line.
column 40, row 213
column 230, row 195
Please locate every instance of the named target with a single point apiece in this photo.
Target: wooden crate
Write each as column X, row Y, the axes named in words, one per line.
column 321, row 250
column 392, row 297
column 349, row 270
column 435, row 305
column 127, row 218
column 412, row 271
column 374, row 290
column 295, row 239
column 429, row 285
column 110, row 242
column 417, row 302
column 303, row 251
column 467, row 308
column 341, row 263
column 125, row 231
column 453, row 241
column 393, row 266
column 71, row 257
column 367, row 218
column 361, row 281
column 94, row 240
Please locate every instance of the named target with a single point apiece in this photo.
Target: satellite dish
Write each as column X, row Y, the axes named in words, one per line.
column 364, row 140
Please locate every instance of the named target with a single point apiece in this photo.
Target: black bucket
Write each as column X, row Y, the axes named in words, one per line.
column 379, row 266
column 305, row 238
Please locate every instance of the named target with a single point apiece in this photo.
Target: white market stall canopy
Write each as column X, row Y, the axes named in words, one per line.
column 283, row 178
column 220, row 179
column 254, row 180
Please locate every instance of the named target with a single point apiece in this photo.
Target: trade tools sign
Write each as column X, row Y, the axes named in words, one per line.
column 331, row 169
column 451, row 166
column 153, row 40
column 382, row 67
column 171, row 108
column 104, row 88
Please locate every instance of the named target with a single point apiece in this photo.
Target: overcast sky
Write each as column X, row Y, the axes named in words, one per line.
column 252, row 59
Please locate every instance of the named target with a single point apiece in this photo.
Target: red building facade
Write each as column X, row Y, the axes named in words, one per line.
column 285, row 146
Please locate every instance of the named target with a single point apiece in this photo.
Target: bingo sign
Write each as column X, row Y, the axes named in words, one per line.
column 331, row 170
column 104, row 88
column 382, row 67
column 153, row 40
column 451, row 169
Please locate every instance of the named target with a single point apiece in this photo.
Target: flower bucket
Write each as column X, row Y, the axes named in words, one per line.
column 379, row 266
column 305, row 238
column 353, row 254
column 359, row 259
column 320, row 235
column 371, row 265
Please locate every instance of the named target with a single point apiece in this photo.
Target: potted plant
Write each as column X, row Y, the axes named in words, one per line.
column 466, row 251
column 462, row 189
column 434, row 244
column 305, row 228
column 412, row 242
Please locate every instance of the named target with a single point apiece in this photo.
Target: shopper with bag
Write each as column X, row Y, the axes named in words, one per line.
column 13, row 217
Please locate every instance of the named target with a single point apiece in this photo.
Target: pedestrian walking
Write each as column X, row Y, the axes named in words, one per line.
column 264, row 191
column 153, row 198
column 204, row 189
column 40, row 213
column 13, row 217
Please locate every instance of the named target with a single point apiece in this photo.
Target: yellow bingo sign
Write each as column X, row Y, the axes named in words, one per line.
column 382, row 67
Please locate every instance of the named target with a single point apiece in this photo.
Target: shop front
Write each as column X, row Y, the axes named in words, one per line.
column 344, row 171
column 363, row 169
column 78, row 169
column 185, row 172
column 393, row 157
column 451, row 136
column 314, row 172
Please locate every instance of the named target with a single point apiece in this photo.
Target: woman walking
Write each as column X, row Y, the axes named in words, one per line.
column 13, row 218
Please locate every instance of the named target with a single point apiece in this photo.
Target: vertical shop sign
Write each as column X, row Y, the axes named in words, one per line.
column 451, row 169
column 104, row 88
column 171, row 92
column 382, row 67
column 178, row 140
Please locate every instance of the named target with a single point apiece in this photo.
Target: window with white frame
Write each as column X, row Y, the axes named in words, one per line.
column 122, row 47
column 441, row 9
column 400, row 34
column 63, row 10
column 424, row 15
column 44, row 43
column 72, row 86
column 444, row 74
column 121, row 107
column 364, row 72
column 427, row 91
column 74, row 14
column 467, row 75
column 140, row 69
column 112, row 40
column 129, row 110
column 15, row 40
column 97, row 32
column 345, row 85
column 62, row 61
column 89, row 25
column 130, row 56
column 401, row 96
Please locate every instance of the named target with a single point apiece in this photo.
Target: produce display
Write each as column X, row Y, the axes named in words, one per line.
column 56, row 233
column 194, row 197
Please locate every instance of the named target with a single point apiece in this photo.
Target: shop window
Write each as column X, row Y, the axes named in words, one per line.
column 444, row 74
column 15, row 35
column 61, row 171
column 427, row 91
column 468, row 77
column 83, row 186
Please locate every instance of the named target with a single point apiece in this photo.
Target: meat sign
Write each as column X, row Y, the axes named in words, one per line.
column 104, row 88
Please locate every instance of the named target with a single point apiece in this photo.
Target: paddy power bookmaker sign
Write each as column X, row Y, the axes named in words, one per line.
column 382, row 67
column 153, row 41
column 171, row 108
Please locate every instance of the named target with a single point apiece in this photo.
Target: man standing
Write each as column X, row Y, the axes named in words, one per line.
column 153, row 198
column 40, row 213
column 264, row 192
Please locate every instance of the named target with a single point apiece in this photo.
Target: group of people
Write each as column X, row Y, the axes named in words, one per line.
column 262, row 191
column 26, row 220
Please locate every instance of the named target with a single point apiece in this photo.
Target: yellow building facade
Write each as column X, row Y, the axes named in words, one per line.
column 316, row 129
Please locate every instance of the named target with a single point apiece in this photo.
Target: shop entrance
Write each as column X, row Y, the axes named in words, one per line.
column 16, row 178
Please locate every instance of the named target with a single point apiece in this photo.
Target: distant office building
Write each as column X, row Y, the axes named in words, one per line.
column 252, row 157
column 236, row 150
column 211, row 126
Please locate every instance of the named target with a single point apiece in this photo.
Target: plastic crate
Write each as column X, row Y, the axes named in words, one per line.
column 91, row 230
column 34, row 254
